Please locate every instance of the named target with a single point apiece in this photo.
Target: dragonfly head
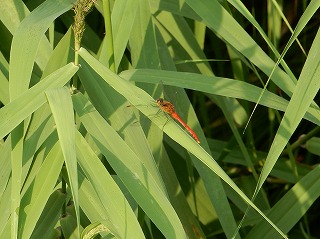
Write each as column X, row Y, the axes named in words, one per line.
column 159, row 101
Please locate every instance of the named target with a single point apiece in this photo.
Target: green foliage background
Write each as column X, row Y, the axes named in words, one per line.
column 77, row 162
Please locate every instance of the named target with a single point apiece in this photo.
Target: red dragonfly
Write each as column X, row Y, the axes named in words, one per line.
column 168, row 108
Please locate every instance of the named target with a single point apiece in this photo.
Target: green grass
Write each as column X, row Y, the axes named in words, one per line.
column 77, row 162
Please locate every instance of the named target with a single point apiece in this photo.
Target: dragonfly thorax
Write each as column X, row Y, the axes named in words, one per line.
column 166, row 106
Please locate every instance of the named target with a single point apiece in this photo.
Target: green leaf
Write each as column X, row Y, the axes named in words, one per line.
column 313, row 145
column 139, row 98
column 217, row 86
column 305, row 91
column 131, row 171
column 16, row 111
column 38, row 193
column 49, row 217
column 291, row 207
column 121, row 219
column 216, row 17
column 61, row 106
column 26, row 42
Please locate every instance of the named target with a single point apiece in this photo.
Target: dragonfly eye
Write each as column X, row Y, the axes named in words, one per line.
column 159, row 101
